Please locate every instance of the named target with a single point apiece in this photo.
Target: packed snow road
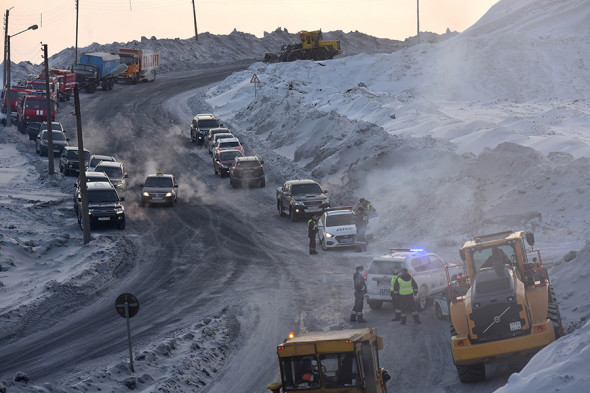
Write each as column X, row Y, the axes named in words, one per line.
column 219, row 251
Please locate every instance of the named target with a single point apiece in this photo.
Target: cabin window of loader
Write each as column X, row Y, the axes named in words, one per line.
column 340, row 370
column 300, row 373
column 482, row 258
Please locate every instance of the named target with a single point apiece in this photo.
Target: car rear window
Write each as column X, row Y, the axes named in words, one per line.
column 335, row 220
column 386, row 267
column 229, row 144
column 248, row 164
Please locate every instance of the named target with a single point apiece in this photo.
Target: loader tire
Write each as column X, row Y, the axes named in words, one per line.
column 553, row 313
column 294, row 56
column 319, row 54
column 471, row 373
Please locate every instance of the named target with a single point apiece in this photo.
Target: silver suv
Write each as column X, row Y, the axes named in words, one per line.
column 116, row 173
column 427, row 269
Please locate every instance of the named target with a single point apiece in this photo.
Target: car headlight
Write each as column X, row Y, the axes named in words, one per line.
column 329, row 234
column 120, row 210
column 146, row 194
column 168, row 194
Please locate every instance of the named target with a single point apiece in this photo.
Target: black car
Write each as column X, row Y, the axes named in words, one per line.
column 201, row 125
column 32, row 130
column 104, row 206
column 69, row 162
column 247, row 171
column 59, row 142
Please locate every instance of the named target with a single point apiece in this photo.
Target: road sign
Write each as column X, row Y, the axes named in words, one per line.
column 254, row 79
column 127, row 299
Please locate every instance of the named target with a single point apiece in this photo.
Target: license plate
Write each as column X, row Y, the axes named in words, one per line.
column 104, row 218
column 346, row 240
column 515, row 326
column 157, row 198
column 384, row 291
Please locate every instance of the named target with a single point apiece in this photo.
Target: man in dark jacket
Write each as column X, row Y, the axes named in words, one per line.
column 312, row 231
column 360, row 288
column 404, row 288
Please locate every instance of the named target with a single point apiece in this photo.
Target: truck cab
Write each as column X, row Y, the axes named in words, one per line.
column 33, row 108
column 331, row 361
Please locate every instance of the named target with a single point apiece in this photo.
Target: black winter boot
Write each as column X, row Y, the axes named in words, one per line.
column 416, row 319
column 398, row 316
column 352, row 317
column 403, row 322
column 361, row 319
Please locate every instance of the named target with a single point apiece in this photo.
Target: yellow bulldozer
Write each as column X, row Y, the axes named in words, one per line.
column 311, row 47
column 503, row 307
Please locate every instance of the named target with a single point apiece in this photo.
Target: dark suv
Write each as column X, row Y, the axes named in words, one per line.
column 246, row 171
column 201, row 125
column 59, row 142
column 104, row 206
column 69, row 162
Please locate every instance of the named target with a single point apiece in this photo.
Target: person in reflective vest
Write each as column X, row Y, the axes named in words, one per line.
column 312, row 231
column 405, row 287
column 395, row 300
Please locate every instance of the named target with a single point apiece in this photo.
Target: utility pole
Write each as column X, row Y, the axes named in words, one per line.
column 49, row 107
column 85, row 220
column 76, row 51
column 5, row 46
column 195, row 18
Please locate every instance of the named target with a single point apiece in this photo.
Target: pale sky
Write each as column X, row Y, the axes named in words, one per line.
column 107, row 21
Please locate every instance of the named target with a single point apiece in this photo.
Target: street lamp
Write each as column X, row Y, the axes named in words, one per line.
column 8, row 103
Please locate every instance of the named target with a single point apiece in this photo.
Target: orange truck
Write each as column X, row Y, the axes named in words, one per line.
column 141, row 66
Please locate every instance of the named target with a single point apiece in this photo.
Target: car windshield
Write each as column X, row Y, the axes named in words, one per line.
column 208, row 123
column 229, row 155
column 114, row 172
column 306, row 189
column 160, row 181
column 98, row 196
column 386, row 267
column 90, row 179
column 55, row 135
column 486, row 257
column 335, row 220
column 248, row 164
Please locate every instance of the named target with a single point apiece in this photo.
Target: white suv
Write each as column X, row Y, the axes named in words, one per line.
column 427, row 269
column 337, row 228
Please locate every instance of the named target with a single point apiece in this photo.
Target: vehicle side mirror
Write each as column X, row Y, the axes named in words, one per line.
column 126, row 176
column 176, row 186
column 67, row 139
column 325, row 191
column 261, row 162
column 122, row 199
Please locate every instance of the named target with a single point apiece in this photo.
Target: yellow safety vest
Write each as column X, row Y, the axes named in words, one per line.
column 405, row 287
column 393, row 281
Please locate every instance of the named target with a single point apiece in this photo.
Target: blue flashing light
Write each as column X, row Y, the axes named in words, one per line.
column 416, row 250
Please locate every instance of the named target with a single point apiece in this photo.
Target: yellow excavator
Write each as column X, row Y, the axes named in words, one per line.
column 503, row 307
column 311, row 47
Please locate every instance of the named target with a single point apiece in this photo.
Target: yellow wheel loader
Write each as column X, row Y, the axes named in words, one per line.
column 504, row 307
column 311, row 47
column 338, row 361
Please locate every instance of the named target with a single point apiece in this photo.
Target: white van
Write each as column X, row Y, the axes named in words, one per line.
column 427, row 269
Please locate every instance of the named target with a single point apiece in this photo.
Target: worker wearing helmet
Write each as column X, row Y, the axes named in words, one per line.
column 405, row 287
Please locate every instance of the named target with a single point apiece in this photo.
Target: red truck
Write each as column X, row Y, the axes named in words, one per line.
column 39, row 85
column 16, row 93
column 66, row 81
column 33, row 108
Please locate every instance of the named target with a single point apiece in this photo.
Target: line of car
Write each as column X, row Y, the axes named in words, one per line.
column 227, row 152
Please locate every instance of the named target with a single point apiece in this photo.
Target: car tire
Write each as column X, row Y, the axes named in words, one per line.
column 121, row 225
column 292, row 214
column 421, row 299
column 375, row 304
column 263, row 183
column 66, row 172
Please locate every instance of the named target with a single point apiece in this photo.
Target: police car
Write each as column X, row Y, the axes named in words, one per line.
column 428, row 270
column 336, row 228
column 160, row 188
